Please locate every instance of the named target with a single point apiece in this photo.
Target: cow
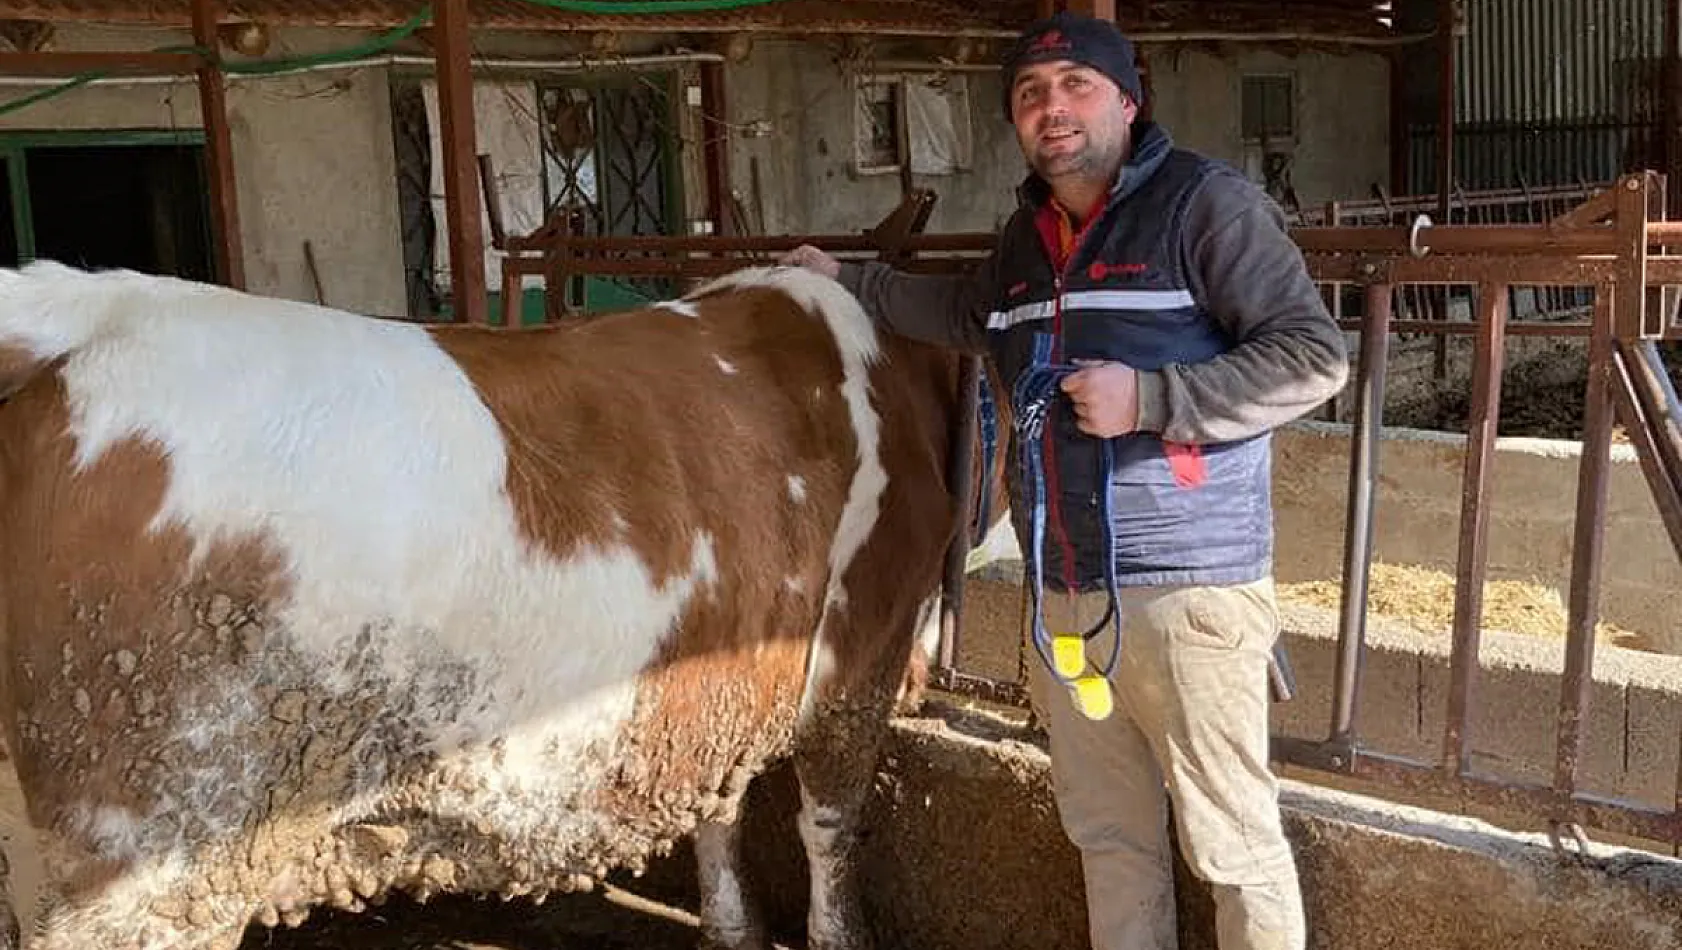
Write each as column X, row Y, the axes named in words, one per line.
column 301, row 608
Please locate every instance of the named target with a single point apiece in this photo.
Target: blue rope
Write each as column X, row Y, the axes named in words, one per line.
column 988, row 414
column 1036, row 390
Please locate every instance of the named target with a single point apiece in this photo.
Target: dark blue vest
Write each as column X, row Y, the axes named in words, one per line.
column 1179, row 514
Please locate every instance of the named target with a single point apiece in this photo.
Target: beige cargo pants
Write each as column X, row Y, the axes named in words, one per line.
column 1191, row 722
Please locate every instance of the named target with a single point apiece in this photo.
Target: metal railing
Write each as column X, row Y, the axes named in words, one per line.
column 1521, row 205
column 1616, row 242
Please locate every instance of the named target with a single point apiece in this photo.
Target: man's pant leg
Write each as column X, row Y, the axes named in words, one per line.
column 1110, row 798
column 1195, row 675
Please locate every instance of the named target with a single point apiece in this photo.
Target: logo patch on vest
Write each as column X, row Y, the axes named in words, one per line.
column 1102, row 271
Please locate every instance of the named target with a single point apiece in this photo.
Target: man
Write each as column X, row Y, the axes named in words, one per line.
column 1148, row 304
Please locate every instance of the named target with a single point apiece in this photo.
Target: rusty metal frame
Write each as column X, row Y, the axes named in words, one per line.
column 1615, row 242
column 203, row 65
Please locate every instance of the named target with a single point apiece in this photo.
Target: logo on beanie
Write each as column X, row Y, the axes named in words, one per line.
column 1050, row 41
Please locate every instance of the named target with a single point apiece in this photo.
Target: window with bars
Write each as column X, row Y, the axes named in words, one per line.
column 876, row 145
column 1268, row 108
column 925, row 114
column 608, row 154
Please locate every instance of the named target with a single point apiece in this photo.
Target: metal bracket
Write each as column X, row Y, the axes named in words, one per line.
column 1372, row 270
column 1420, row 224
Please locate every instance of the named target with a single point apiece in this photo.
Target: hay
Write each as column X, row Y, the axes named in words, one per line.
column 1423, row 598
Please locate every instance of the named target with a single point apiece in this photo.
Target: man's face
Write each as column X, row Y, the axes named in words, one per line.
column 1071, row 120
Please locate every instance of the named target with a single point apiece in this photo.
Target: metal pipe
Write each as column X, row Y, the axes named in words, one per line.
column 1645, row 420
column 692, row 267
column 1593, row 479
column 1358, row 528
column 1429, row 327
column 1517, row 798
column 480, row 63
column 1514, row 239
column 661, row 244
column 1515, row 244
column 456, row 137
column 1482, row 426
column 960, row 474
column 229, row 251
column 1526, row 269
column 1665, row 390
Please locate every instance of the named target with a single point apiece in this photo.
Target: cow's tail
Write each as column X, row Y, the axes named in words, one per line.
column 49, row 310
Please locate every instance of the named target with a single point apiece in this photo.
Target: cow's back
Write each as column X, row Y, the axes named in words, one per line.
column 300, row 606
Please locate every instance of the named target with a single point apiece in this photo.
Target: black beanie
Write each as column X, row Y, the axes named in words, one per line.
column 1081, row 39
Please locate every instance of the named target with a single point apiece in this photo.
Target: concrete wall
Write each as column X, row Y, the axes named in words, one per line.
column 1631, row 728
column 1532, row 519
column 312, row 153
column 1635, row 708
column 965, row 851
column 1342, row 111
column 806, row 182
column 807, row 185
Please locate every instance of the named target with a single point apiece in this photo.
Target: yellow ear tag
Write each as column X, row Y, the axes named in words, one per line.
column 1068, row 655
column 1093, row 697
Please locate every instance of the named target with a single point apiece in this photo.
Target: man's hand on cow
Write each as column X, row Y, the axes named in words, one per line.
column 1105, row 396
column 812, row 259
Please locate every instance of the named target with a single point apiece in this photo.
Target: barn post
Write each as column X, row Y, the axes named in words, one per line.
column 1445, row 166
column 715, row 148
column 461, row 197
column 219, row 152
column 1445, row 108
column 1671, row 105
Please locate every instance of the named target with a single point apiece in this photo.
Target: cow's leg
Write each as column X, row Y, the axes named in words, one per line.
column 836, row 762
column 22, row 856
column 730, row 919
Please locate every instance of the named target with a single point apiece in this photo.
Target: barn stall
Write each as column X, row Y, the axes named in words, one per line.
column 349, row 153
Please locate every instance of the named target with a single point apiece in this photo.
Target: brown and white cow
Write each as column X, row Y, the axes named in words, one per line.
column 300, row 607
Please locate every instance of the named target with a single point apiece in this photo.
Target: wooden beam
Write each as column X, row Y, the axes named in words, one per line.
column 74, row 64
column 1397, row 63
column 219, row 151
column 715, row 148
column 461, row 197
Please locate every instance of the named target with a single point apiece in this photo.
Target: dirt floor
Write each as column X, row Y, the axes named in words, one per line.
column 1542, row 391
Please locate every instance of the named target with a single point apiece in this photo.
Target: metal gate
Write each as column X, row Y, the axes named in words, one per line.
column 1616, row 242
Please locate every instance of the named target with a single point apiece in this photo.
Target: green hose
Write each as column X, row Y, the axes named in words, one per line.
column 388, row 39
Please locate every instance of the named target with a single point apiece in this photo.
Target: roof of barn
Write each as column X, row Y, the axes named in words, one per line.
column 1352, row 18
